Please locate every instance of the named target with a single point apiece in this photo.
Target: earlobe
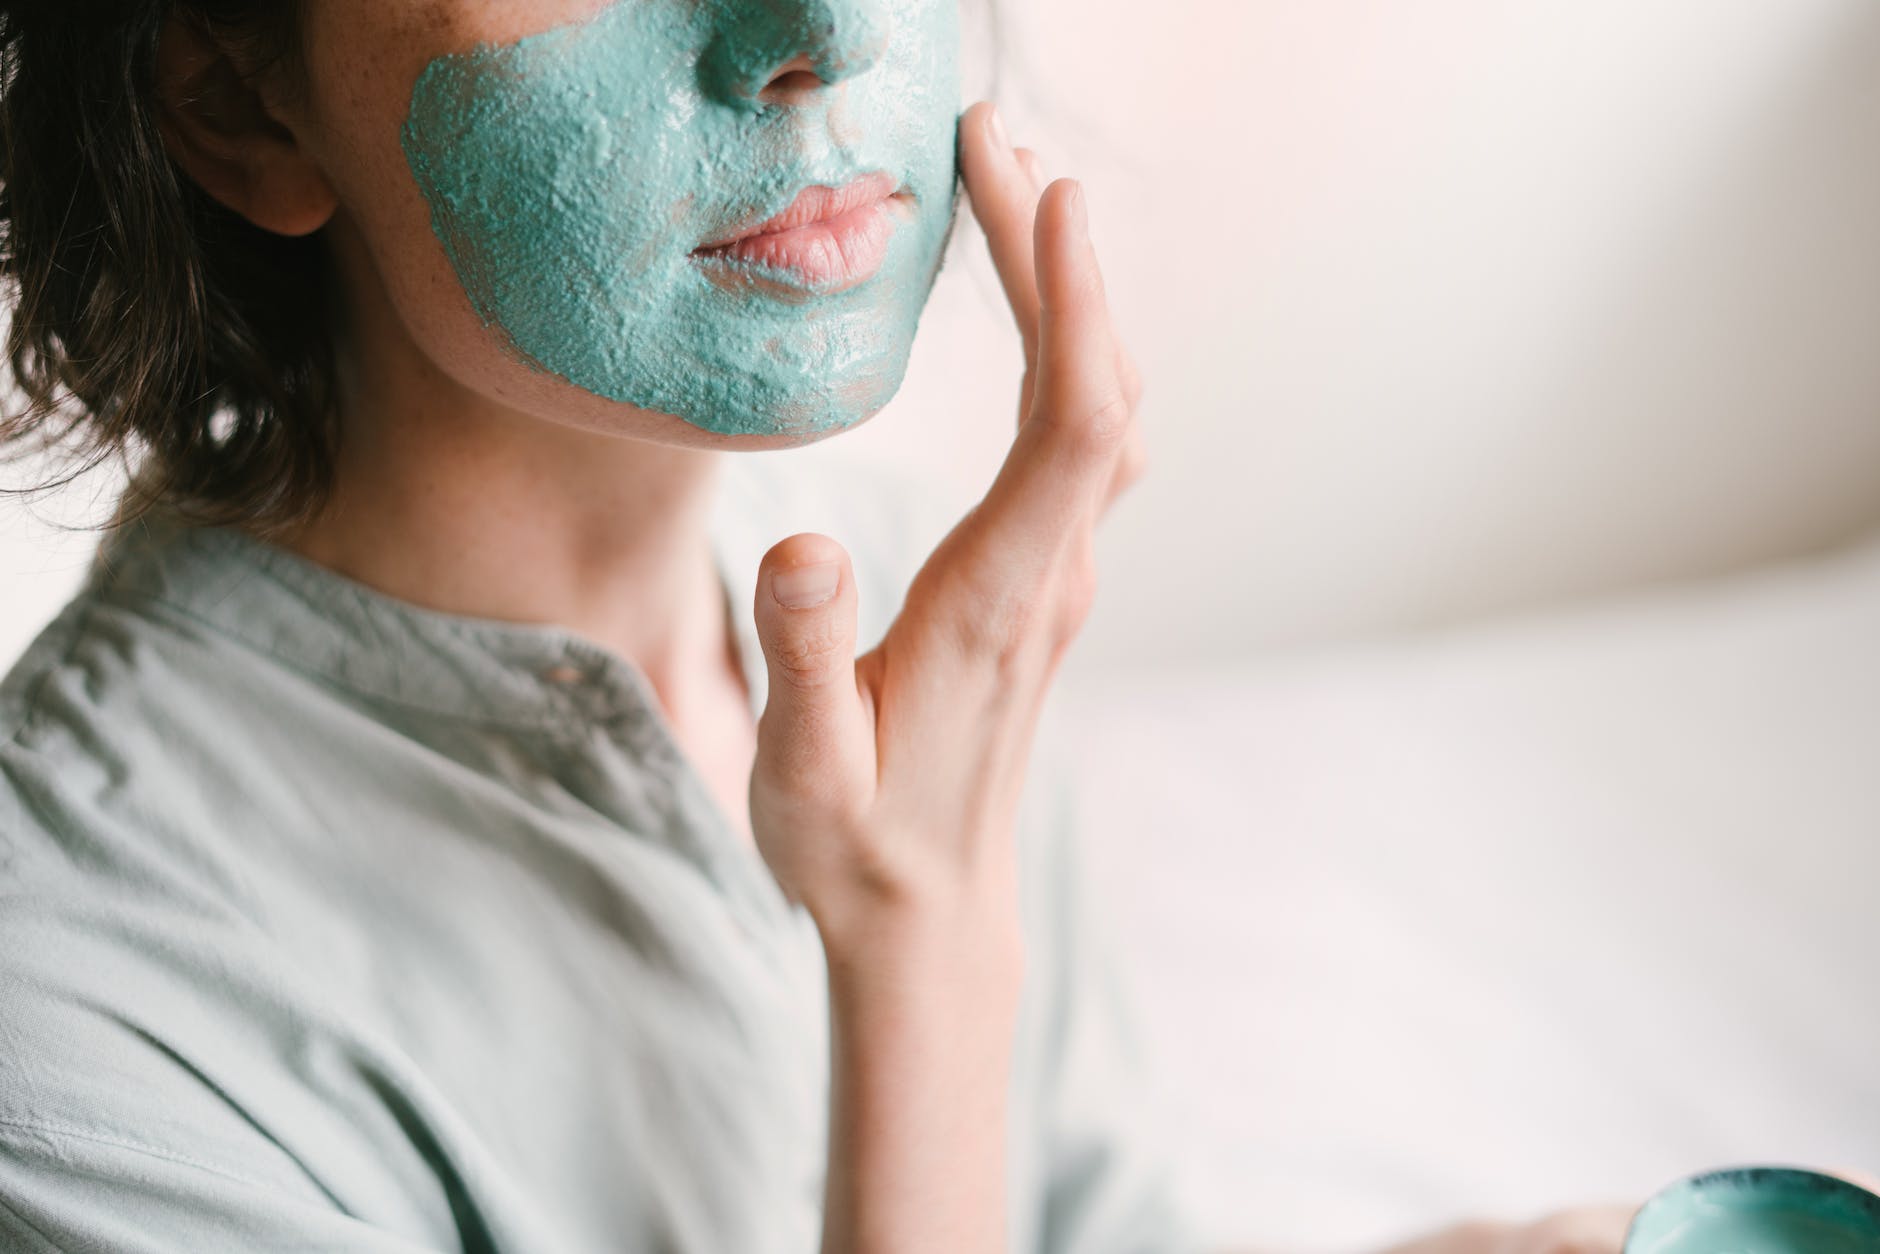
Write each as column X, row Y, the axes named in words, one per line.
column 217, row 129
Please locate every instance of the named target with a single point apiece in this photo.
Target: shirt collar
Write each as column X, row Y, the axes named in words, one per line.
column 345, row 633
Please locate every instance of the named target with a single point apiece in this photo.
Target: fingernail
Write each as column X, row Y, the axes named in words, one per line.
column 1080, row 216
column 996, row 125
column 800, row 587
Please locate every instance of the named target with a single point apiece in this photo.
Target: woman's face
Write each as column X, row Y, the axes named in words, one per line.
column 536, row 184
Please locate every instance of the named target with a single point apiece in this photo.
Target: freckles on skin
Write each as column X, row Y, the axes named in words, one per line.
column 570, row 174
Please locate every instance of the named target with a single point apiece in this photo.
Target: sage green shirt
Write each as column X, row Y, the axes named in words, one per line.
column 330, row 922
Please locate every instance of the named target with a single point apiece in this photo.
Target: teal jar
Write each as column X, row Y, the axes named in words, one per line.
column 1758, row 1210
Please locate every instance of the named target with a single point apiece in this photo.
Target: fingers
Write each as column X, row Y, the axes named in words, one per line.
column 1078, row 399
column 813, row 743
column 1047, row 493
column 1076, row 447
column 1077, row 350
column 1134, row 460
column 1004, row 200
column 1008, row 212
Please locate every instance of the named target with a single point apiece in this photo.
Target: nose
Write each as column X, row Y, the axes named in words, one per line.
column 767, row 53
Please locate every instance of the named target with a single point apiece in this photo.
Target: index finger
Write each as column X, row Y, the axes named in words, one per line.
column 1005, row 204
column 1063, row 457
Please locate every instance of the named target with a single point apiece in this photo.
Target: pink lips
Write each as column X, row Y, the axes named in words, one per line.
column 829, row 238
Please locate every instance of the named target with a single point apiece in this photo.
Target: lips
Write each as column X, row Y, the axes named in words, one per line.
column 828, row 239
column 814, row 204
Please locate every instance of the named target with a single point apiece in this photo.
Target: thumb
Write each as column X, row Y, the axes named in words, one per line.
column 812, row 738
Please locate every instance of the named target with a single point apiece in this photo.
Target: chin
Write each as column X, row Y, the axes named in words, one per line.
column 780, row 442
column 750, row 409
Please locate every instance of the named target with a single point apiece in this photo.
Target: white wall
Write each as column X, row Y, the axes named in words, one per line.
column 44, row 549
column 1445, row 307
column 1452, row 306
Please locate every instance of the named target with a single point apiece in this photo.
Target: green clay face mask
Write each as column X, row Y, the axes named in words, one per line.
column 573, row 176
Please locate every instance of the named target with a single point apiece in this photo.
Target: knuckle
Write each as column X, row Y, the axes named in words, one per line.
column 1096, row 430
column 997, row 630
column 1109, row 423
column 997, row 634
column 807, row 656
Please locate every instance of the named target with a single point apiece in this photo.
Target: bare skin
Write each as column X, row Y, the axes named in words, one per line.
column 881, row 790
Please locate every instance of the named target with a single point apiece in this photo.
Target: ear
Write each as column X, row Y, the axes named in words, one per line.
column 217, row 128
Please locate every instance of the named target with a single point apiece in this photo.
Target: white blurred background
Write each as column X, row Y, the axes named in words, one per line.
column 1480, row 725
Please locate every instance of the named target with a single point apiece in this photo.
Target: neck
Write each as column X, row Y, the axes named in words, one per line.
column 452, row 501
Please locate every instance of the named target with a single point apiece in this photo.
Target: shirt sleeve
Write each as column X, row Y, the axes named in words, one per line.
column 122, row 1128
column 1107, row 1155
column 63, row 1190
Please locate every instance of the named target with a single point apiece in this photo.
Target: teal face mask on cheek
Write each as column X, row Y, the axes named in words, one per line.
column 571, row 175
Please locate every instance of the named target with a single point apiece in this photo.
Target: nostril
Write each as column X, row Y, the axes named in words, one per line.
column 792, row 83
column 746, row 77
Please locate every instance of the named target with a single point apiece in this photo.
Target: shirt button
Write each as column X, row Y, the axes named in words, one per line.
column 563, row 674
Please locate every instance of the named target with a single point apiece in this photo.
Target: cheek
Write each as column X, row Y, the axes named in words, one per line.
column 568, row 176
column 556, row 173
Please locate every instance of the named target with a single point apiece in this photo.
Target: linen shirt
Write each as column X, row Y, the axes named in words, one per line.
column 333, row 922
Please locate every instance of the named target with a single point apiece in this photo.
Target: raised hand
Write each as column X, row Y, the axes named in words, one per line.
column 885, row 787
column 893, row 779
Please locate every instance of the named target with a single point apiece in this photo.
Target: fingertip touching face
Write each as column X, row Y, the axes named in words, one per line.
column 560, row 198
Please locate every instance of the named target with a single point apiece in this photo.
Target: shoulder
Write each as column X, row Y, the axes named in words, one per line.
column 109, row 723
column 116, row 642
column 92, row 659
column 61, row 708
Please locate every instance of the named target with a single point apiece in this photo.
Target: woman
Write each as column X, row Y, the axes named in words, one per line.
column 409, row 840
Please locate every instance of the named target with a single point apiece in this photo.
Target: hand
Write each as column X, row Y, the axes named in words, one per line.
column 885, row 787
column 1583, row 1230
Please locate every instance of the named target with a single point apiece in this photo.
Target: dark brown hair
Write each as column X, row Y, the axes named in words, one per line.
column 150, row 322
